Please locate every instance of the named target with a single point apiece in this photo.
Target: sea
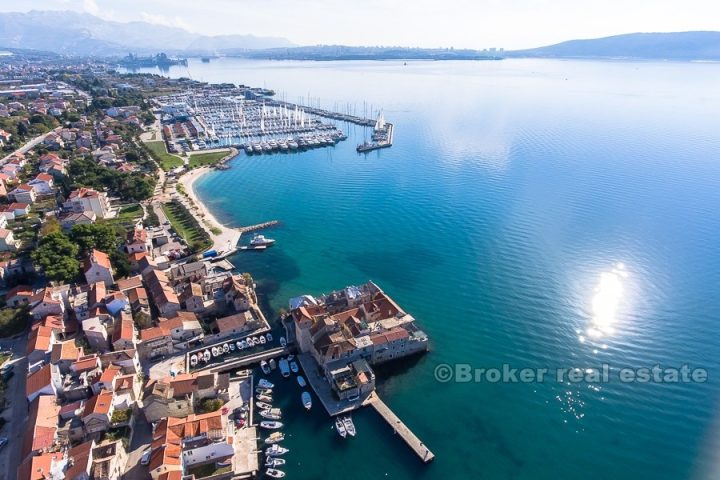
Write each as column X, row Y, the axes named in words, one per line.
column 557, row 215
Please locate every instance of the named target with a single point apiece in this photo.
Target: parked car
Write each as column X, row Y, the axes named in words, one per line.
column 145, row 459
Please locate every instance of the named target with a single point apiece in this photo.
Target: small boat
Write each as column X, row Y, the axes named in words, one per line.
column 284, row 368
column 232, row 347
column 306, row 400
column 271, row 425
column 274, row 473
column 193, row 360
column 240, row 345
column 263, row 405
column 254, row 341
column 294, row 367
column 263, row 398
column 206, row 355
column 215, row 352
column 340, row 427
column 290, row 357
column 283, row 342
column 226, row 348
column 265, row 367
column 262, row 340
column 260, row 241
column 276, row 450
column 274, row 462
column 263, row 391
column 301, row 381
column 271, row 414
column 269, row 337
column 273, row 364
column 349, row 426
column 243, row 345
column 265, row 384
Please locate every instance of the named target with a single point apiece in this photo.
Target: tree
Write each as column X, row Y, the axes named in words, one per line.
column 51, row 225
column 56, row 254
column 120, row 263
column 100, row 236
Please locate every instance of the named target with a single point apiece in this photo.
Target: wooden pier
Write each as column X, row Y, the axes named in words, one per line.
column 259, row 226
column 400, row 428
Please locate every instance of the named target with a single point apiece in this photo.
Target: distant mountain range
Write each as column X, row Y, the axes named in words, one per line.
column 652, row 46
column 72, row 33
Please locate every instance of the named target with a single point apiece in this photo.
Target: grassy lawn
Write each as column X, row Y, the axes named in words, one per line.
column 202, row 159
column 208, row 469
column 186, row 225
column 133, row 211
column 12, row 321
column 167, row 160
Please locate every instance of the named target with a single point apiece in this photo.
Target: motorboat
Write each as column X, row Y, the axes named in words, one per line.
column 294, row 367
column 283, row 342
column 215, row 352
column 349, row 426
column 274, row 473
column 271, row 425
column 242, row 345
column 263, row 405
column 306, row 400
column 273, row 364
column 274, row 462
column 260, row 241
column 275, row 450
column 290, row 357
column 301, row 381
column 232, row 347
column 265, row 367
column 275, row 437
column 262, row 340
column 263, row 391
column 193, row 360
column 263, row 398
column 271, row 414
column 269, row 337
column 206, row 355
column 265, row 384
column 340, row 427
column 225, row 348
column 284, row 368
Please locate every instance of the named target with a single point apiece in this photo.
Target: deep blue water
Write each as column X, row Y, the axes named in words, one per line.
column 524, row 203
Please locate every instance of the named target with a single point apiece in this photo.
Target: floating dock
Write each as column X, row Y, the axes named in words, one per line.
column 400, row 429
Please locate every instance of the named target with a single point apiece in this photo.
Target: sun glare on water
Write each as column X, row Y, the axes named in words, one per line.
column 606, row 299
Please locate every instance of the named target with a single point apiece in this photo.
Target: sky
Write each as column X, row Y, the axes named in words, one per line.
column 510, row 24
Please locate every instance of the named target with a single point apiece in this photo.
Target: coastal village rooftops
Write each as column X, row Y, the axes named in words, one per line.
column 129, row 283
column 87, row 363
column 83, row 192
column 39, row 339
column 234, row 323
column 80, row 457
column 98, row 258
column 65, row 351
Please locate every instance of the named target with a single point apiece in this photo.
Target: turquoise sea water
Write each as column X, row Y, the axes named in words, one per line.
column 539, row 213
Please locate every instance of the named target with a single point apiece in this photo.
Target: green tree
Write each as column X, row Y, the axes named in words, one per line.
column 100, row 236
column 56, row 254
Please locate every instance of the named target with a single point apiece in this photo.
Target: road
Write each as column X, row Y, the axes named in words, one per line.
column 16, row 412
column 142, row 437
column 29, row 145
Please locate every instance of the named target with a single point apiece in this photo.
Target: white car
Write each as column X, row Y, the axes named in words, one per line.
column 145, row 459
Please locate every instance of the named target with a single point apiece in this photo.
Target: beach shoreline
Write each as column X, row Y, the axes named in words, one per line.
column 228, row 237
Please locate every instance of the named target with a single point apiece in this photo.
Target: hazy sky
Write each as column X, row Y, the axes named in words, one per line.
column 427, row 23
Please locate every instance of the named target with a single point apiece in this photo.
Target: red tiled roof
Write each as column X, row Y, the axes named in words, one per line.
column 99, row 404
column 39, row 339
column 38, row 380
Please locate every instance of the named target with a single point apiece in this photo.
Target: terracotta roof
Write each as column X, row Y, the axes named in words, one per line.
column 39, row 339
column 38, row 467
column 65, row 351
column 153, row 333
column 83, row 193
column 44, row 177
column 99, row 258
column 41, row 425
column 99, row 404
column 129, row 283
column 110, row 373
column 390, row 336
column 233, row 322
column 21, row 290
column 125, row 331
column 86, row 363
column 80, row 457
column 38, row 380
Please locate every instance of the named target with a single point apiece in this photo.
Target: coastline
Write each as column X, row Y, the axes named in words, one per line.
column 228, row 237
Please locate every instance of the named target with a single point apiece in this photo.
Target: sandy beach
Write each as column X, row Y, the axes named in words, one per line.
column 228, row 237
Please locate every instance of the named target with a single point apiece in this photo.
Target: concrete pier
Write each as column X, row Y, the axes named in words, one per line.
column 259, row 226
column 422, row 451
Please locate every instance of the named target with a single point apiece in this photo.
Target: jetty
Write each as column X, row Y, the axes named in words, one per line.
column 258, row 226
column 399, row 428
